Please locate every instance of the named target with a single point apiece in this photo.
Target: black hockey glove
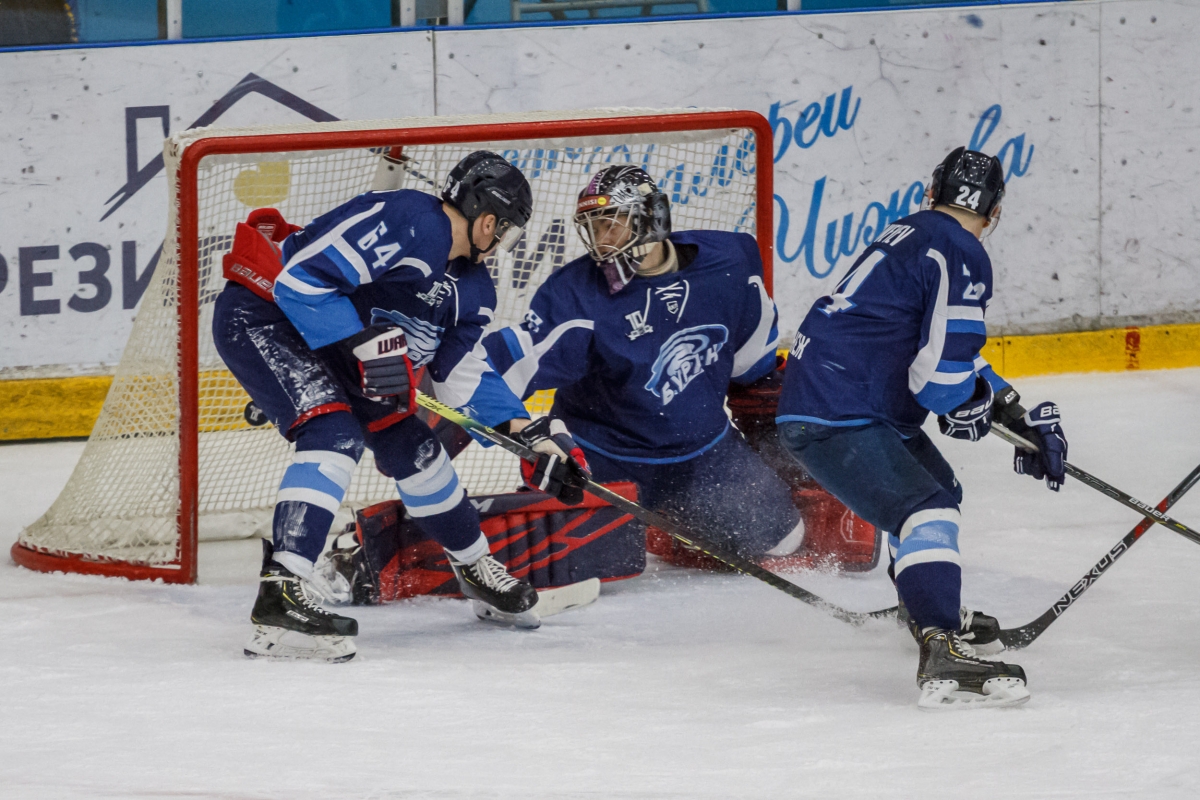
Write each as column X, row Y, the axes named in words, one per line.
column 561, row 469
column 973, row 419
column 1041, row 426
column 383, row 366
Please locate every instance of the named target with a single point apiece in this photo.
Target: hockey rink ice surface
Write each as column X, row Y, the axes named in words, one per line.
column 677, row 684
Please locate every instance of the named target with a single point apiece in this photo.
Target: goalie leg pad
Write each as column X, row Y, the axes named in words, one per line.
column 537, row 538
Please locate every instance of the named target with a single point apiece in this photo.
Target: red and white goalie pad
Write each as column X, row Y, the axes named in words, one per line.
column 536, row 537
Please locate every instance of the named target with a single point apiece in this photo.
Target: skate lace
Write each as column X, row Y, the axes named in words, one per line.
column 962, row 646
column 301, row 594
column 965, row 617
column 493, row 574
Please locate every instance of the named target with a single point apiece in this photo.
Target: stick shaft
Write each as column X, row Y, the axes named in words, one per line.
column 731, row 560
column 1104, row 488
column 1020, row 637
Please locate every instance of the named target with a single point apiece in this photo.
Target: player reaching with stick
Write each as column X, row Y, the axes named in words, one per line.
column 385, row 283
column 901, row 337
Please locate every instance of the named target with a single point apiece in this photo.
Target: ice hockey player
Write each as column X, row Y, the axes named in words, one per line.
column 900, row 337
column 641, row 338
column 385, row 283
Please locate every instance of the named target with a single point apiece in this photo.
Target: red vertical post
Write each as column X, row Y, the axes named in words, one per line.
column 764, row 172
column 188, row 310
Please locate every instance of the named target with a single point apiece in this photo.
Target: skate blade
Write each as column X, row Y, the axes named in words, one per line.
column 279, row 643
column 564, row 598
column 997, row 693
column 528, row 620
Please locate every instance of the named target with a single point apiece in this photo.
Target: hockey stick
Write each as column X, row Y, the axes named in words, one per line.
column 1102, row 487
column 735, row 562
column 1015, row 638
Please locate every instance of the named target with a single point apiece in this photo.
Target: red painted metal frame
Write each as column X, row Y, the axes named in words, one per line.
column 188, row 282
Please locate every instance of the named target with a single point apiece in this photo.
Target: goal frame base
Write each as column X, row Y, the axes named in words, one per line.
column 82, row 565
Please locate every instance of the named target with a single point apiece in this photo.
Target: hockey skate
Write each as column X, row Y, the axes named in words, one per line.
column 495, row 595
column 288, row 623
column 952, row 677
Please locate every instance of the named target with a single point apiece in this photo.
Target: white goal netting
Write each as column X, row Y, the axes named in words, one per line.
column 122, row 501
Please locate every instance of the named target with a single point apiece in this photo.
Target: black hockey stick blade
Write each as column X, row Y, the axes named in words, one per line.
column 731, row 560
column 1121, row 497
column 1015, row 638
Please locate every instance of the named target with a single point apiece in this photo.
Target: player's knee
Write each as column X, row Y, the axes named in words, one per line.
column 337, row 432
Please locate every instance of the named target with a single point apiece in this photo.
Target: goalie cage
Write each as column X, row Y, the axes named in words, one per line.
column 172, row 460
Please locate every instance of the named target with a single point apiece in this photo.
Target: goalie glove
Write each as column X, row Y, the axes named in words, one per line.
column 383, row 365
column 972, row 420
column 561, row 469
column 1041, row 426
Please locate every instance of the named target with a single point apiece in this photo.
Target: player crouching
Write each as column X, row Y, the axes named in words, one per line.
column 324, row 333
column 900, row 337
column 641, row 338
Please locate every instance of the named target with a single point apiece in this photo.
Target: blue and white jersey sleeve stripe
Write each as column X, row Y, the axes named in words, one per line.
column 315, row 280
column 755, row 356
column 942, row 376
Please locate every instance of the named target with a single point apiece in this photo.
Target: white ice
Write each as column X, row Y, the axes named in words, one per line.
column 677, row 684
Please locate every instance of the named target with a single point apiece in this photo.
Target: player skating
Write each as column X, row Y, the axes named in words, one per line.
column 385, row 283
column 900, row 337
column 642, row 337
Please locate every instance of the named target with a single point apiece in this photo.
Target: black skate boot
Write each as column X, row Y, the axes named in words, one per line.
column 288, row 623
column 496, row 595
column 981, row 631
column 950, row 666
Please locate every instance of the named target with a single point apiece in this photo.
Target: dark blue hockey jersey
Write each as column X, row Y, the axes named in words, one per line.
column 642, row 375
column 901, row 334
column 380, row 258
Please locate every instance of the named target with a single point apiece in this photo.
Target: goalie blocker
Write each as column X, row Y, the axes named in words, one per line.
column 386, row 557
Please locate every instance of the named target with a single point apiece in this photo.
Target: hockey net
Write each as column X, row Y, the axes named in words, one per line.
column 172, row 459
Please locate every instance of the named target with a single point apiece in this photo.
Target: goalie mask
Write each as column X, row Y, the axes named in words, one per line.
column 484, row 183
column 621, row 215
column 969, row 180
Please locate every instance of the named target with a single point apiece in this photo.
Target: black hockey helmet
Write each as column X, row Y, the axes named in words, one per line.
column 484, row 183
column 628, row 197
column 969, row 180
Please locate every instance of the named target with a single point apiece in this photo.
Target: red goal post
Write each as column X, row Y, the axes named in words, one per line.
column 92, row 529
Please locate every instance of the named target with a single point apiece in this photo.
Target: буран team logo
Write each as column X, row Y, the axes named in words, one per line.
column 683, row 357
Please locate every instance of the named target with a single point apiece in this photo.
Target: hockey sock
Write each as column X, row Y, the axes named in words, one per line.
column 327, row 450
column 438, row 505
column 928, row 575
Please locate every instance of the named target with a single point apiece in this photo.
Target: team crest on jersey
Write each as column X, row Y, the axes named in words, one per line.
column 423, row 337
column 674, row 296
column 437, row 293
column 683, row 357
column 637, row 321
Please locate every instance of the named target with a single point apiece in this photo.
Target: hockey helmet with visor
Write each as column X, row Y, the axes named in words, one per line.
column 621, row 215
column 484, row 183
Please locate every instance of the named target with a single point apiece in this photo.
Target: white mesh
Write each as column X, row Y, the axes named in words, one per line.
column 122, row 500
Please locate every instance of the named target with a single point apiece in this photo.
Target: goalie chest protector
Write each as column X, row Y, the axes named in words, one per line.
column 536, row 537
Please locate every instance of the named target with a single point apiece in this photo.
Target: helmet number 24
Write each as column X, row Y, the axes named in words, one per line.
column 967, row 197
